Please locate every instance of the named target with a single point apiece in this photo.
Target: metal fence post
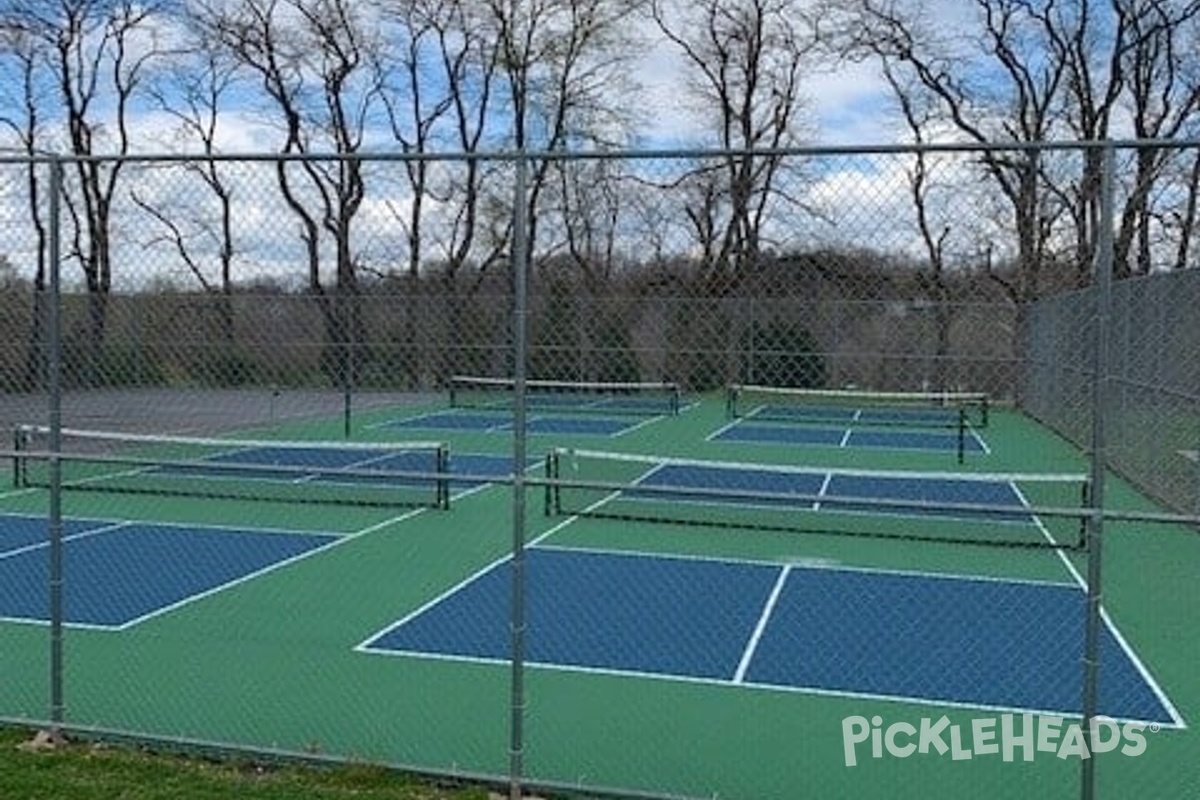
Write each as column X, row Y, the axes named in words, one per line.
column 1099, row 410
column 520, row 267
column 54, row 377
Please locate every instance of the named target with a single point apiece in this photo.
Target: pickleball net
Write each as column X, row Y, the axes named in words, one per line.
column 857, row 407
column 400, row 474
column 999, row 509
column 609, row 397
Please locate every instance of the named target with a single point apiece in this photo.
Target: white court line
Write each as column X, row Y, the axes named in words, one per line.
column 109, row 526
column 631, row 428
column 738, row 680
column 338, row 540
column 761, row 687
column 721, row 431
column 823, row 491
column 29, row 548
column 1077, row 581
column 756, row 635
column 826, row 566
column 1081, row 582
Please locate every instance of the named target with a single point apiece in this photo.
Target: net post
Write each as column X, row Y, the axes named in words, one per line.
column 1085, row 499
column 731, row 392
column 552, row 499
column 443, row 477
column 18, row 463
column 962, row 433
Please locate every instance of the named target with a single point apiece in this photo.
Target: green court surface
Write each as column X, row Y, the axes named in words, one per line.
column 294, row 657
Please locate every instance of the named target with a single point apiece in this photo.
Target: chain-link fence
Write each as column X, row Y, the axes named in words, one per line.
column 613, row 474
column 1155, row 369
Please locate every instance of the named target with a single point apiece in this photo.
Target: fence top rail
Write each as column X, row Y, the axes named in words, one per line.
column 500, row 154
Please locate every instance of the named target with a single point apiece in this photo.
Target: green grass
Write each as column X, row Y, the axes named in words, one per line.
column 87, row 770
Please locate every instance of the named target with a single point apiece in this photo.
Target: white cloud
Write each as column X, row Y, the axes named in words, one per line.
column 846, row 104
column 851, row 106
column 663, row 112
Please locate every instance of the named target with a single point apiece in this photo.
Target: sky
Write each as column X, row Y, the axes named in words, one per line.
column 845, row 106
column 847, row 103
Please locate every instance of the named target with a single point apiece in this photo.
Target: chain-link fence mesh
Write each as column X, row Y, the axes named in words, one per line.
column 1154, row 369
column 799, row 474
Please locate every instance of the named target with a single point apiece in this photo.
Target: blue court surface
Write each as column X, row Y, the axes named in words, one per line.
column 948, row 640
column 998, row 499
column 620, row 404
column 501, row 422
column 469, row 470
column 118, row 573
column 334, row 466
column 308, row 464
column 850, row 437
column 934, row 417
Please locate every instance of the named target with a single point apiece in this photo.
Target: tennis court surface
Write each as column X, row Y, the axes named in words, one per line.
column 784, row 627
column 123, row 572
column 702, row 611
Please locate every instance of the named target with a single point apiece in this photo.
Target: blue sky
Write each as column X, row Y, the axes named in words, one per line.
column 847, row 104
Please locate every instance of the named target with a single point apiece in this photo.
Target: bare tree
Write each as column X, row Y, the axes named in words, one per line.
column 431, row 32
column 193, row 92
column 559, row 71
column 1033, row 71
column 564, row 64
column 470, row 63
column 746, row 59
column 317, row 62
column 934, row 237
column 22, row 84
column 1162, row 87
column 98, row 54
column 999, row 84
column 442, row 80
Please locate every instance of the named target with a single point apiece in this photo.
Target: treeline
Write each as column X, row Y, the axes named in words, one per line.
column 824, row 318
column 313, row 90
